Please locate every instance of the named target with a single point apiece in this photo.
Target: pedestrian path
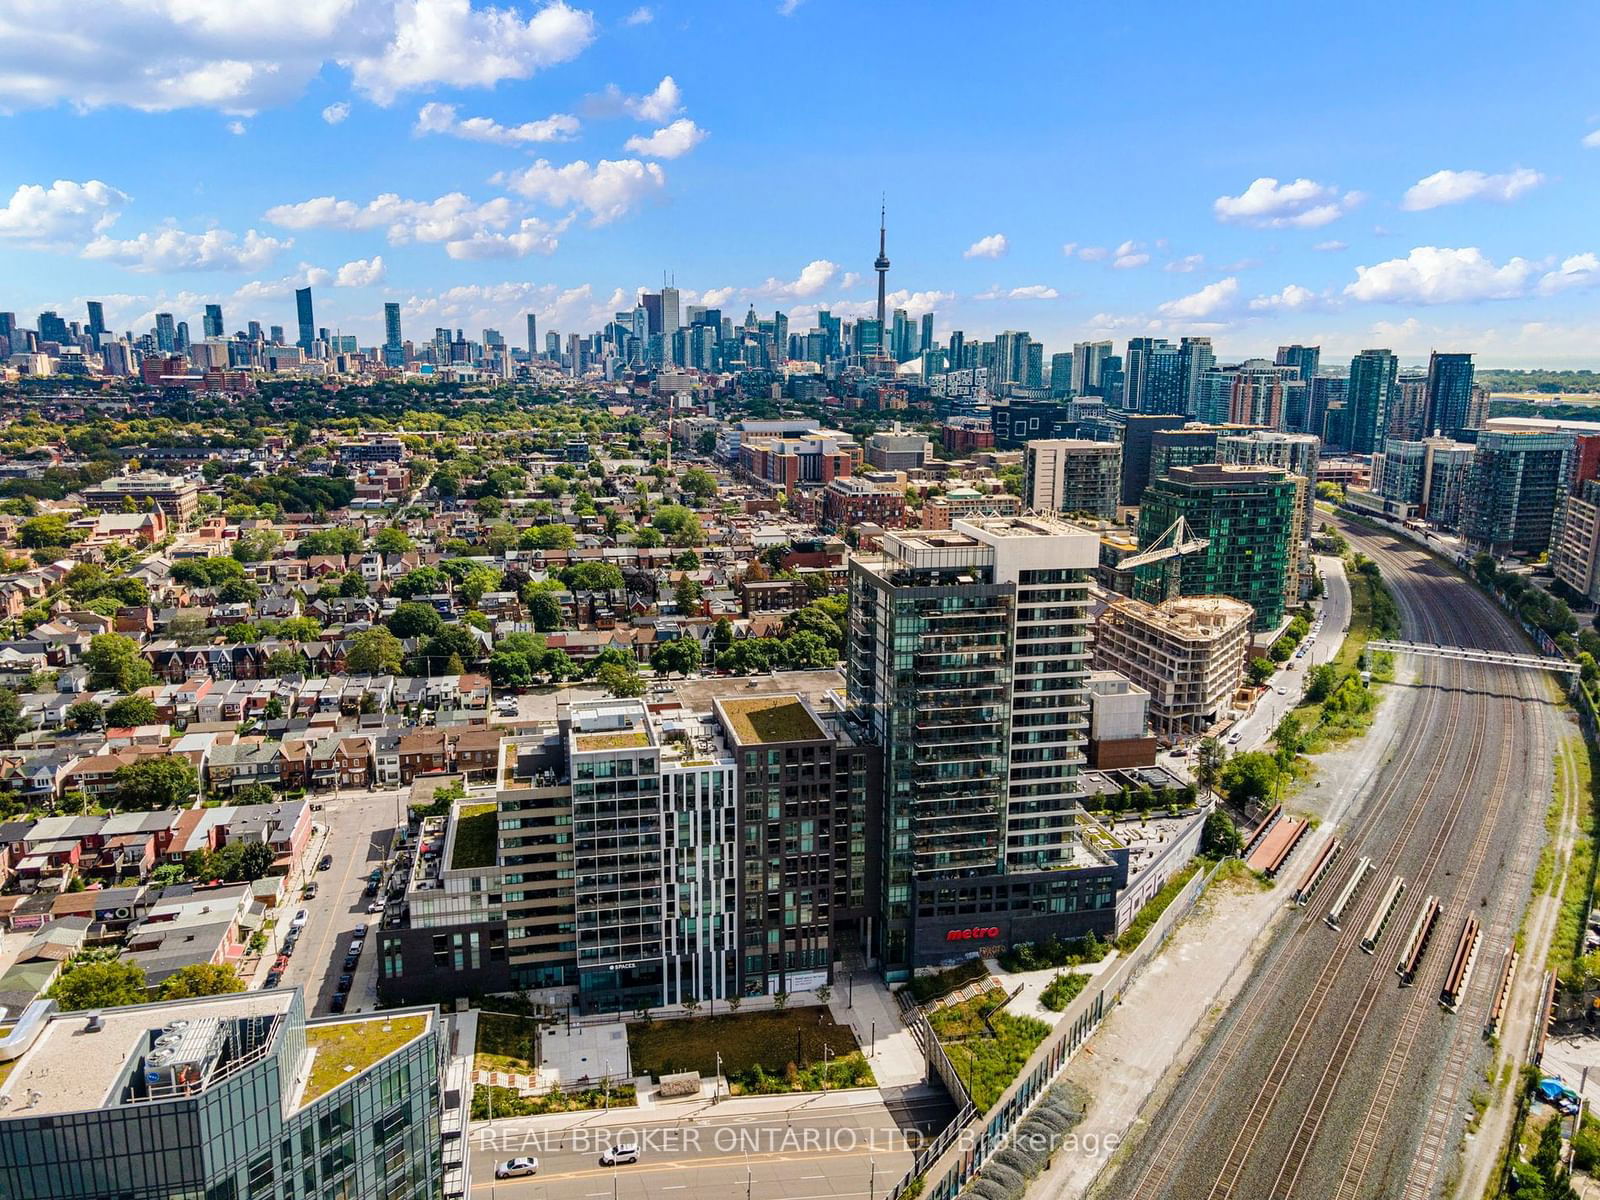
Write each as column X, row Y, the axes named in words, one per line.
column 866, row 1005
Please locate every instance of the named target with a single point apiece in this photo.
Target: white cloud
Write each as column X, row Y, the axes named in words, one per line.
column 1128, row 256
column 1032, row 291
column 159, row 55
column 1331, row 245
column 657, row 105
column 1592, row 139
column 851, row 278
column 451, row 217
column 608, row 190
column 1457, row 187
column 175, row 250
column 1575, row 271
column 1292, row 298
column 1268, row 204
column 63, row 212
column 442, row 118
column 814, row 276
column 532, row 236
column 786, row 7
column 1209, row 300
column 305, row 275
column 671, row 141
column 992, row 246
column 237, row 128
column 717, row 297
column 1069, row 248
column 335, row 113
column 450, row 41
column 1440, row 275
column 1094, row 253
column 1185, row 265
column 639, row 16
column 361, row 272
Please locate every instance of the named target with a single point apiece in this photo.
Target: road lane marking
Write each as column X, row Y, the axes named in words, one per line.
column 715, row 1160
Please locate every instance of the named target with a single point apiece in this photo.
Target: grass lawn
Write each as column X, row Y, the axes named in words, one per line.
column 355, row 1044
column 506, row 1043
column 987, row 1054
column 476, row 828
column 745, row 1040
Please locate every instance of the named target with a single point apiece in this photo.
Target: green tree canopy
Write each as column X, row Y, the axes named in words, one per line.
column 201, row 979
column 108, row 984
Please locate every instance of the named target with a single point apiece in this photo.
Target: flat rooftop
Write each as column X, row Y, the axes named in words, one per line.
column 341, row 1050
column 69, row 1069
column 760, row 720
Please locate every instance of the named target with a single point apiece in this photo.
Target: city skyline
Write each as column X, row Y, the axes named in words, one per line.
column 577, row 153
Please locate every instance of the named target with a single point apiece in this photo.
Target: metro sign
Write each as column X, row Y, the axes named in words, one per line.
column 978, row 932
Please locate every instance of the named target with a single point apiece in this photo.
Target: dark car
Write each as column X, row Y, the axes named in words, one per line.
column 370, row 890
column 344, row 982
column 375, row 874
column 326, row 863
column 273, row 979
column 309, row 892
column 338, row 1002
column 350, row 961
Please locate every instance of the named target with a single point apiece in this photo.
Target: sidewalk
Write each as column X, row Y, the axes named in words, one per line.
column 1033, row 983
column 894, row 1054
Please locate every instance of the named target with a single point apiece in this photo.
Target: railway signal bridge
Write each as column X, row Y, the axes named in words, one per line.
column 1496, row 658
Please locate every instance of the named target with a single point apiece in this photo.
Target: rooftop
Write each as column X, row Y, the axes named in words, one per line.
column 475, row 836
column 758, row 720
column 344, row 1049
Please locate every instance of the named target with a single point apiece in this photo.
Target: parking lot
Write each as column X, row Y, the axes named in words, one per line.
column 360, row 828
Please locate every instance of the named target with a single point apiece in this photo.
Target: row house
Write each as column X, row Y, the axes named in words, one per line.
column 240, row 764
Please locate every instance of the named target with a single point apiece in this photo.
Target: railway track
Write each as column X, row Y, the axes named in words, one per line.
column 1392, row 1045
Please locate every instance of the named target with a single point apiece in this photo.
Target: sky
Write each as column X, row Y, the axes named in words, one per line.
column 1408, row 176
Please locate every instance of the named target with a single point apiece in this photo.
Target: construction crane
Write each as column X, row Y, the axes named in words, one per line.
column 1177, row 540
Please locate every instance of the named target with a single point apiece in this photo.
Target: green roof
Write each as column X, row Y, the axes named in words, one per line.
column 771, row 719
column 344, row 1049
column 477, row 832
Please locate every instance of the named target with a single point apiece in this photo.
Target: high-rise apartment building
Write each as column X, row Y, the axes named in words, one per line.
column 1257, row 395
column 1195, row 358
column 1368, row 399
column 1153, row 377
column 97, row 319
column 1429, row 475
column 1060, row 376
column 967, row 663
column 1248, row 515
column 1297, row 406
column 1297, row 453
column 1087, row 360
column 1450, row 382
column 223, row 1096
column 166, row 333
column 394, row 347
column 1065, row 475
column 1136, row 441
column 307, row 321
column 1515, row 489
column 211, row 322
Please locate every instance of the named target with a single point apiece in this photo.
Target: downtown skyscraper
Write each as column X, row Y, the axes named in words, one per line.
column 308, row 324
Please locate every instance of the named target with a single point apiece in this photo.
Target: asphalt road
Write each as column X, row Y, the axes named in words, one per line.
column 737, row 1149
column 360, row 827
column 1326, row 1078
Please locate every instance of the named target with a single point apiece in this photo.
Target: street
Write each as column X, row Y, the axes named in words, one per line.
column 360, row 828
column 843, row 1144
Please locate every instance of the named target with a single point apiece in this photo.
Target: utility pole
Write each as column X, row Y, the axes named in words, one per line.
column 716, row 1082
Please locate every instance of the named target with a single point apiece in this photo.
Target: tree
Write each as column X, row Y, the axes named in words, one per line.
column 393, row 541
column 681, row 655
column 239, row 591
column 166, row 782
column 85, row 714
column 452, row 641
column 257, row 545
column 287, row 662
column 205, row 572
column 300, row 629
column 273, row 710
column 1260, row 670
column 549, row 537
column 201, row 979
column 374, row 651
column 1220, row 838
column 476, row 582
column 698, row 483
column 679, row 525
column 618, row 680
column 687, row 595
column 1320, row 682
column 114, row 662
column 108, row 984
column 1249, row 778
column 47, row 530
column 558, row 664
column 721, row 635
column 593, row 577
column 687, row 561
column 545, row 611
column 167, row 873
column 808, row 652
column 424, row 581
column 12, row 723
column 1208, row 764
column 415, row 620
column 510, row 669
column 131, row 710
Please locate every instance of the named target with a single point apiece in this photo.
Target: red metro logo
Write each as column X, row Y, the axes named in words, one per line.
column 967, row 935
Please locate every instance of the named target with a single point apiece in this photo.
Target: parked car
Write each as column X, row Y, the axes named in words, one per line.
column 300, row 919
column 370, row 890
column 350, row 961
column 374, row 875
column 344, row 982
column 375, row 907
column 326, row 863
column 281, row 963
column 361, row 930
column 357, row 945
column 516, row 1168
column 616, row 1156
column 273, row 979
column 309, row 892
column 338, row 1002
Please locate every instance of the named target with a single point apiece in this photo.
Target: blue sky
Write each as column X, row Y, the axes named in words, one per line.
column 1412, row 176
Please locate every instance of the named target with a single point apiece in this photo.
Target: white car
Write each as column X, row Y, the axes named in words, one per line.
column 300, row 918
column 1233, row 738
column 516, row 1168
column 375, row 907
column 617, row 1155
column 1283, row 691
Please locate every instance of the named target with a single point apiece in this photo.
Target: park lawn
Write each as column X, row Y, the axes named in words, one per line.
column 987, row 1054
column 506, row 1043
column 745, row 1041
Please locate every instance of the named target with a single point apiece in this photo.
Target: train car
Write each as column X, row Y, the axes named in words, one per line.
column 1318, row 871
column 1416, row 943
column 1502, row 994
column 1466, row 956
column 1353, row 885
column 1380, row 919
column 1259, row 834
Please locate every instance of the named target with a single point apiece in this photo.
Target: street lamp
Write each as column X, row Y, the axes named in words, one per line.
column 872, row 1179
column 716, row 1080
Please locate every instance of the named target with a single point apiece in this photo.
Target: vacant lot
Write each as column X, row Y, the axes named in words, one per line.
column 770, row 1040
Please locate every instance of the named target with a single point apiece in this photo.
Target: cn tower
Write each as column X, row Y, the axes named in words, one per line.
column 881, row 266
